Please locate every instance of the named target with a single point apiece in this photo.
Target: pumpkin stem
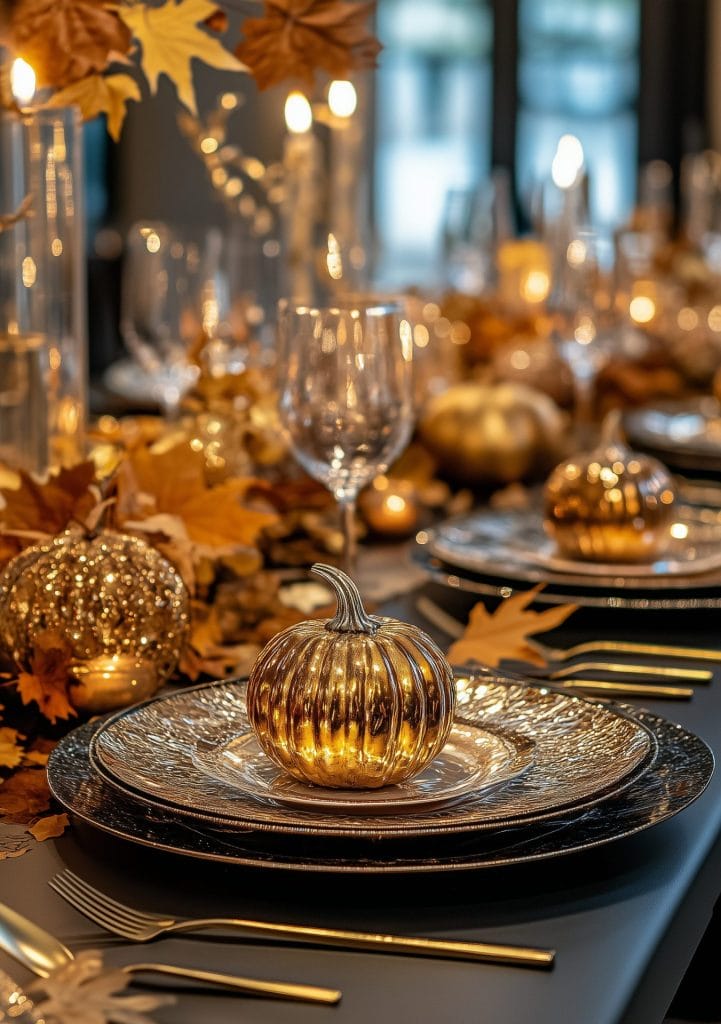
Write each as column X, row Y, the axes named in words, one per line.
column 351, row 616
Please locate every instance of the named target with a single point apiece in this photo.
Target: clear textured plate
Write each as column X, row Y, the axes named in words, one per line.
column 473, row 760
column 583, row 750
column 652, row 798
column 513, row 545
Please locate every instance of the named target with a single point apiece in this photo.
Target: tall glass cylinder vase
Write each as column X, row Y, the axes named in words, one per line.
column 43, row 347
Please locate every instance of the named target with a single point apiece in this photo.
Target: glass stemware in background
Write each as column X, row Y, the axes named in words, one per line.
column 578, row 330
column 160, row 320
column 346, row 394
column 475, row 222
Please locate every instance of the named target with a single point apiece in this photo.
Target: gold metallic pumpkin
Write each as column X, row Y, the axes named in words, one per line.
column 610, row 505
column 356, row 701
column 482, row 433
column 121, row 606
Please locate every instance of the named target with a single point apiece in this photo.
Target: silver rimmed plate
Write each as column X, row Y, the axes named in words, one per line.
column 513, row 545
column 474, row 760
column 583, row 751
column 687, row 433
column 653, row 797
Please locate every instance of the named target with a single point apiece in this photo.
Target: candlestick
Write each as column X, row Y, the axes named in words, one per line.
column 301, row 162
column 345, row 164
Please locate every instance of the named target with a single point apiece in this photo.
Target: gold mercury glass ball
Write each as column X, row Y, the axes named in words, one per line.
column 610, row 505
column 120, row 605
column 356, row 701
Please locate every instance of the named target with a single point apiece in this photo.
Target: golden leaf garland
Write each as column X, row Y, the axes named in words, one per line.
column 493, row 637
column 170, row 37
column 100, row 94
column 65, row 40
column 296, row 37
column 73, row 45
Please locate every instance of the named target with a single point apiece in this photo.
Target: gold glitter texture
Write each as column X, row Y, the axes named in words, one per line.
column 122, row 607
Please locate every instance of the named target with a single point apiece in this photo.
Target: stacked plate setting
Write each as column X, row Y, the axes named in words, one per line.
column 491, row 551
column 529, row 772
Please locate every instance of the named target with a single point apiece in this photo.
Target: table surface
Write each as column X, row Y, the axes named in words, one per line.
column 625, row 919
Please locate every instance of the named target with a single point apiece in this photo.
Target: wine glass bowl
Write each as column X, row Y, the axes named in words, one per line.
column 346, row 395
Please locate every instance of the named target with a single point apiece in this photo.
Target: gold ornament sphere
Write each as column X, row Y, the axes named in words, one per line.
column 610, row 505
column 356, row 701
column 121, row 606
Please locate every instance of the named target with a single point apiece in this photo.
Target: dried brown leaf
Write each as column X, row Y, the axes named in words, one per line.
column 491, row 638
column 24, row 795
column 50, row 827
column 47, row 681
column 11, row 752
column 50, row 506
column 100, row 94
column 66, row 40
column 295, row 38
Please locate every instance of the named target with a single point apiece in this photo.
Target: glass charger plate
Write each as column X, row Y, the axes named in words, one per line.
column 652, row 798
column 507, row 544
column 583, row 750
column 474, row 760
column 499, row 586
column 687, row 432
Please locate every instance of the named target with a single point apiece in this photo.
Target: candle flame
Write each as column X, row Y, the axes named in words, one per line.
column 342, row 98
column 298, row 113
column 22, row 82
column 568, row 161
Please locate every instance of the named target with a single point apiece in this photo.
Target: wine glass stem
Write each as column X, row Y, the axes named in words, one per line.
column 584, row 389
column 350, row 548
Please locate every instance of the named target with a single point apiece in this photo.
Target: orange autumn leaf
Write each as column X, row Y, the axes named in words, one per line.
column 11, row 753
column 50, row 506
column 492, row 637
column 205, row 654
column 24, row 796
column 172, row 483
column 49, row 827
column 295, row 38
column 47, row 681
column 100, row 94
column 65, row 40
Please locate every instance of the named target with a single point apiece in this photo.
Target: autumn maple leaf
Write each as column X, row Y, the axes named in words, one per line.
column 11, row 753
column 47, row 681
column 48, row 507
column 170, row 37
column 49, row 827
column 100, row 94
column 491, row 638
column 155, row 486
column 295, row 38
column 65, row 40
column 24, row 795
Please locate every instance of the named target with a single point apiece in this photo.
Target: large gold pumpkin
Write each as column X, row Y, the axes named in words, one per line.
column 610, row 505
column 483, row 433
column 121, row 606
column 356, row 701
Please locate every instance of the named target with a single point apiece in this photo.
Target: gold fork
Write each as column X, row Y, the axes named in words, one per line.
column 442, row 620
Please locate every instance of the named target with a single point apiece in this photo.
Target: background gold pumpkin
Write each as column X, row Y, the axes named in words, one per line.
column 610, row 505
column 485, row 433
column 121, row 606
column 356, row 701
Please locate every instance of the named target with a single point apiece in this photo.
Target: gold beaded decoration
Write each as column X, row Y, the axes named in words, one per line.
column 118, row 602
column 356, row 701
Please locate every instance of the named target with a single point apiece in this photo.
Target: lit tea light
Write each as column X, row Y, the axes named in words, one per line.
column 390, row 507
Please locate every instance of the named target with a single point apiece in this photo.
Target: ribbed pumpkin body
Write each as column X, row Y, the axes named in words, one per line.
column 351, row 709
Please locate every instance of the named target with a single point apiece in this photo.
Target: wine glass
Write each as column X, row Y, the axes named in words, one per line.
column 346, row 394
column 580, row 325
column 159, row 318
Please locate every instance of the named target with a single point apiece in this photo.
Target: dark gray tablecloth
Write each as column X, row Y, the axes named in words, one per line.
column 625, row 919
